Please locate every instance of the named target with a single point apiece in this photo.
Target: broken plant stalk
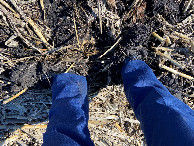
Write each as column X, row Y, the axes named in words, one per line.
column 169, row 58
column 188, row 5
column 163, row 48
column 70, row 67
column 100, row 16
column 176, row 72
column 157, row 36
column 32, row 23
column 43, row 9
column 78, row 43
column 7, row 6
column 15, row 96
column 115, row 44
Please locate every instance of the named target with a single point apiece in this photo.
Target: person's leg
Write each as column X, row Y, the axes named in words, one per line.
column 164, row 119
column 68, row 116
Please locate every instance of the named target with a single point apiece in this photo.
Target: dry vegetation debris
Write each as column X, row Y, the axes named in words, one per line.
column 39, row 38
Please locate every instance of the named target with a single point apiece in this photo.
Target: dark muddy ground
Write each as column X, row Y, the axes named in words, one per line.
column 77, row 25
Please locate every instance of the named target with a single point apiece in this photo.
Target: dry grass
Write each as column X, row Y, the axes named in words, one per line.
column 112, row 121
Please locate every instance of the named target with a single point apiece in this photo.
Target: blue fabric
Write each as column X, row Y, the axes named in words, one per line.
column 68, row 117
column 165, row 120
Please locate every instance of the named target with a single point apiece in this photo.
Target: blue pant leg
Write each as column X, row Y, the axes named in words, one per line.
column 165, row 120
column 68, row 116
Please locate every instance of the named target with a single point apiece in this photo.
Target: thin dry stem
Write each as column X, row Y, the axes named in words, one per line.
column 34, row 127
column 180, row 35
column 188, row 5
column 176, row 72
column 70, row 67
column 100, row 16
column 117, row 42
column 168, row 41
column 157, row 36
column 119, row 127
column 161, row 19
column 169, row 58
column 78, row 43
column 15, row 96
column 32, row 23
column 163, row 48
column 43, row 9
column 7, row 6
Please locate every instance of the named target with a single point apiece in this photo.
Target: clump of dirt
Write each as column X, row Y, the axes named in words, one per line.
column 169, row 9
column 25, row 75
column 59, row 16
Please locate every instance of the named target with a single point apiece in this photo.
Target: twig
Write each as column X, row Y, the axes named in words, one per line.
column 78, row 43
column 187, row 20
column 24, row 58
column 43, row 9
column 2, row 24
column 174, row 37
column 119, row 127
column 32, row 23
column 176, row 72
column 34, row 127
column 133, row 4
column 26, row 40
column 168, row 41
column 100, row 16
column 8, row 60
column 157, row 36
column 161, row 19
column 97, row 122
column 111, row 47
column 70, row 67
column 163, row 48
column 24, row 127
column 185, row 39
column 187, row 6
column 15, row 96
column 7, row 6
column 181, row 35
column 38, row 32
column 17, row 32
column 169, row 58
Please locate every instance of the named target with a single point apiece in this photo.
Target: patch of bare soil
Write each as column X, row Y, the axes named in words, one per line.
column 40, row 38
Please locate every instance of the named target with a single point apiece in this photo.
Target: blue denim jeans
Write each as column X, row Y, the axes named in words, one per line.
column 165, row 120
